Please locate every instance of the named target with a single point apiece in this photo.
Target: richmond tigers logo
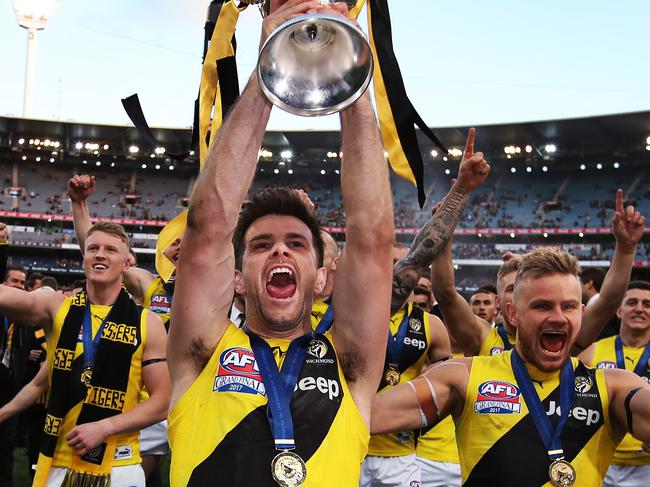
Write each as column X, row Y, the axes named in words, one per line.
column 317, row 348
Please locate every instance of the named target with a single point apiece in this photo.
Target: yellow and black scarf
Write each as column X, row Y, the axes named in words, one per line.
column 110, row 372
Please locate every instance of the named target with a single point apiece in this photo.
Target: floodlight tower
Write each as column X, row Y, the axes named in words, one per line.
column 31, row 15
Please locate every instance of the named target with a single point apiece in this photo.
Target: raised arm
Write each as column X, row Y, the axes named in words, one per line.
column 155, row 377
column 27, row 396
column 361, row 295
column 80, row 187
column 467, row 330
column 412, row 405
column 36, row 307
column 433, row 236
column 205, row 273
column 627, row 227
column 440, row 348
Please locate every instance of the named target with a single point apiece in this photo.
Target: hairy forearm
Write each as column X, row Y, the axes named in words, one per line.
column 428, row 243
column 365, row 185
column 81, row 220
column 231, row 161
column 611, row 294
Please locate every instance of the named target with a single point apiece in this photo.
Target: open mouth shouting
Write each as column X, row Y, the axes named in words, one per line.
column 281, row 282
column 99, row 267
column 553, row 342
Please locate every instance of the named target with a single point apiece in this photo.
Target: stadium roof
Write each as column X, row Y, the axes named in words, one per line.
column 626, row 134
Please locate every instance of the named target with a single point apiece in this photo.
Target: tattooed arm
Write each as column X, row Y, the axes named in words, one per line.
column 433, row 236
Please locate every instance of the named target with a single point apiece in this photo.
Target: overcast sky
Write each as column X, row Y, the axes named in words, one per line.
column 464, row 62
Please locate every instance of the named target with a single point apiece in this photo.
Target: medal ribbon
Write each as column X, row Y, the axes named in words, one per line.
column 396, row 342
column 90, row 344
column 326, row 321
column 279, row 384
column 504, row 336
column 550, row 436
column 620, row 357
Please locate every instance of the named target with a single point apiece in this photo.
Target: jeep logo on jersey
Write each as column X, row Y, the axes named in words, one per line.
column 329, row 387
column 588, row 416
column 238, row 372
column 497, row 397
column 414, row 342
column 584, row 384
column 317, row 348
column 606, row 365
column 415, row 324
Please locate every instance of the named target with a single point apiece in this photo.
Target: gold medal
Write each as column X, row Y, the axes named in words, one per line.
column 86, row 376
column 562, row 473
column 288, row 469
column 392, row 376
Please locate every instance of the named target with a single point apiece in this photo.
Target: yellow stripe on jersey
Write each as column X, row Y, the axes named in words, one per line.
column 103, row 398
column 629, row 451
column 493, row 343
column 402, row 443
column 496, row 437
column 219, row 426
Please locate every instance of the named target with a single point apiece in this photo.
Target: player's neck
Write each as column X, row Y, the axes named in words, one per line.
column 262, row 329
column 103, row 293
column 634, row 338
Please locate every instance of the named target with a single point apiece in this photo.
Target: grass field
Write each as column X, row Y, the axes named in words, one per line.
column 21, row 476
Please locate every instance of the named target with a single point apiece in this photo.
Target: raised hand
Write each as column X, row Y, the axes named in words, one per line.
column 627, row 224
column 81, row 187
column 281, row 12
column 473, row 168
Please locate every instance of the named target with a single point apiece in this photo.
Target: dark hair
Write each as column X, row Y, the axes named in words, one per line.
column 18, row 268
column 51, row 282
column 32, row 278
column 593, row 274
column 275, row 201
column 643, row 285
column 487, row 289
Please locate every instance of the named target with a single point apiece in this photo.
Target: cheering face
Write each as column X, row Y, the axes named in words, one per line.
column 279, row 272
column 635, row 310
column 174, row 250
column 483, row 306
column 547, row 312
column 106, row 258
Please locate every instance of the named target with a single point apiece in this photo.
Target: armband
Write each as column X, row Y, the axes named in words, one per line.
column 153, row 361
column 628, row 411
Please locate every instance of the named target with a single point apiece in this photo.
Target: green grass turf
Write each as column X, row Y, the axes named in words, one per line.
column 21, row 476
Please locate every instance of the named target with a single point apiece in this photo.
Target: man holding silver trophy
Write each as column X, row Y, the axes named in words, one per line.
column 274, row 403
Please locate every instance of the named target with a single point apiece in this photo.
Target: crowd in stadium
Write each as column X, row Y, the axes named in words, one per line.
column 229, row 326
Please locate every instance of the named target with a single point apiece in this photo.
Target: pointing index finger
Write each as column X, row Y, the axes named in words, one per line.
column 619, row 201
column 469, row 147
